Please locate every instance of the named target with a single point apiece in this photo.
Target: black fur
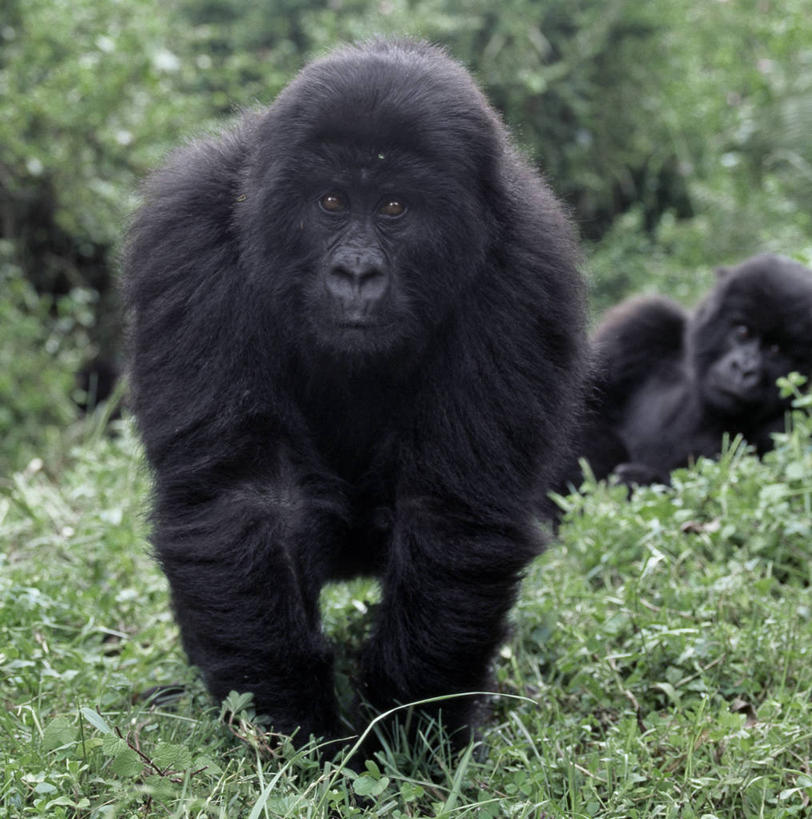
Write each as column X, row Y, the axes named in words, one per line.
column 327, row 388
column 669, row 383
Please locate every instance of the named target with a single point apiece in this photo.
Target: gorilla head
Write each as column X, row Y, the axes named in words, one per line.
column 371, row 203
column 754, row 326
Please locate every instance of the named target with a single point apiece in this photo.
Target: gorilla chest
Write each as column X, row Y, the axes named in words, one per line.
column 354, row 432
column 353, row 449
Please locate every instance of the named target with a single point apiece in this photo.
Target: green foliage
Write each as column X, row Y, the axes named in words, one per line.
column 90, row 95
column 41, row 343
column 678, row 257
column 622, row 103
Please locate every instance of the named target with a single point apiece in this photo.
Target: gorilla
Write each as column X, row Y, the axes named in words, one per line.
column 669, row 384
column 357, row 346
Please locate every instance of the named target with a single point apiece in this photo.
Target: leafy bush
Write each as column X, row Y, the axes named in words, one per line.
column 739, row 506
column 42, row 341
column 92, row 95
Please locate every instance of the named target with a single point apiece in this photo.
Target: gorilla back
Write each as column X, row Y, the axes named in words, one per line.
column 356, row 347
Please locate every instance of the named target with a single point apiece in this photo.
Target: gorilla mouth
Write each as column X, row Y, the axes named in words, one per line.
column 732, row 397
column 362, row 325
column 357, row 324
column 355, row 334
column 352, row 333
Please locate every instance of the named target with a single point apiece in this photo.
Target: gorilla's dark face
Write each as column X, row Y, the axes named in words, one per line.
column 754, row 327
column 352, row 288
column 745, row 371
column 378, row 246
column 366, row 285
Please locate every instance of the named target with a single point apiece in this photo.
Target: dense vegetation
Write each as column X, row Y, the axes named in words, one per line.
column 660, row 658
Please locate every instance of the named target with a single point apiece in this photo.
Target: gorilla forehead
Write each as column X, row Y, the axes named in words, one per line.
column 386, row 96
column 773, row 294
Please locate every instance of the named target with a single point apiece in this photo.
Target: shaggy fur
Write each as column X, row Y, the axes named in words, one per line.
column 671, row 383
column 327, row 388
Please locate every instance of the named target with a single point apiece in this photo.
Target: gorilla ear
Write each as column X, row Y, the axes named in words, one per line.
column 722, row 272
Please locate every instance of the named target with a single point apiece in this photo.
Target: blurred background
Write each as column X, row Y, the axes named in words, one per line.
column 678, row 133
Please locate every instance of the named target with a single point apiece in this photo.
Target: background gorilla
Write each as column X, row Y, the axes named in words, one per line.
column 670, row 384
column 356, row 348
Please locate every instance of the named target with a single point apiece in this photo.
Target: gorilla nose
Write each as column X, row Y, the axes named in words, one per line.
column 750, row 378
column 357, row 283
column 748, row 371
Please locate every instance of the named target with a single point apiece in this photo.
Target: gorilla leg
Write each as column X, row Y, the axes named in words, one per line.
column 245, row 571
column 446, row 595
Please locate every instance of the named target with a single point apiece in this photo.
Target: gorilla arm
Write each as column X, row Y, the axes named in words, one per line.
column 462, row 530
column 239, row 497
column 637, row 340
column 245, row 567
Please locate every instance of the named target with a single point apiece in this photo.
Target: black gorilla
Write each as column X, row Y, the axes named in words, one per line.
column 670, row 384
column 356, row 348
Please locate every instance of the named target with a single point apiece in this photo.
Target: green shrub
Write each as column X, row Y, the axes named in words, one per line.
column 42, row 341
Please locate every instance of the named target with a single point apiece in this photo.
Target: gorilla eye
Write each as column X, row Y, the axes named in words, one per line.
column 742, row 332
column 333, row 203
column 392, row 208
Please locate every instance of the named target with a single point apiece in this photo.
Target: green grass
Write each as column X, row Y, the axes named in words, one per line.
column 659, row 666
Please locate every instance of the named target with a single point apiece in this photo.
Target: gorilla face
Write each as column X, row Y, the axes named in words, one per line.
column 373, row 283
column 753, row 328
column 743, row 375
column 356, row 294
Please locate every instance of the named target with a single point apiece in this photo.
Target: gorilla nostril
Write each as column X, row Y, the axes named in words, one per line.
column 340, row 282
column 748, row 369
